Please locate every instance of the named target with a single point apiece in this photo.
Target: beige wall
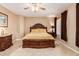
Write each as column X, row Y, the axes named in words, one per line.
column 20, row 27
column 71, row 25
column 30, row 21
column 12, row 22
column 58, row 26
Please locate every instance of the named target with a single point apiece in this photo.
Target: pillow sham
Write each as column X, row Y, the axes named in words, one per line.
column 38, row 30
column 34, row 30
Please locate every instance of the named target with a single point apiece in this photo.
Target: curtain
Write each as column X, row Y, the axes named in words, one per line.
column 77, row 24
column 64, row 26
column 55, row 23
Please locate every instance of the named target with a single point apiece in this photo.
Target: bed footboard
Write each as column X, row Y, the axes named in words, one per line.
column 27, row 43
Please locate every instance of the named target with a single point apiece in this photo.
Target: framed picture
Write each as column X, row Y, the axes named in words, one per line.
column 3, row 20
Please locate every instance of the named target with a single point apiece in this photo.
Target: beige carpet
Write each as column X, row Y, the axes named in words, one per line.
column 17, row 50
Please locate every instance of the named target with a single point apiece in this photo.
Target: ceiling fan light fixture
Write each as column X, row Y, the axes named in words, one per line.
column 35, row 7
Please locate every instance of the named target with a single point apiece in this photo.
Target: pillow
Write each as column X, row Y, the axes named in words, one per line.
column 34, row 30
column 38, row 30
column 42, row 30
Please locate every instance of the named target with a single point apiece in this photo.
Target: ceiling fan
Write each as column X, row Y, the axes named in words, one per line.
column 35, row 7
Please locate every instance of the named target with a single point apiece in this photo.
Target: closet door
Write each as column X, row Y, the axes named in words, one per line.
column 77, row 24
column 64, row 26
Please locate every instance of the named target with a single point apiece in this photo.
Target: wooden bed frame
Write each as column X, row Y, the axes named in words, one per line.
column 29, row 43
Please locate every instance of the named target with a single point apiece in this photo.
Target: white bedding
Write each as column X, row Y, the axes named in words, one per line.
column 38, row 35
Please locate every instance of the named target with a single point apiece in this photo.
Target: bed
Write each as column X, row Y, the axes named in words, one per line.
column 38, row 38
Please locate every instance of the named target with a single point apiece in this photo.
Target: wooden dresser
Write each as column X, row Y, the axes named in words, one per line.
column 5, row 41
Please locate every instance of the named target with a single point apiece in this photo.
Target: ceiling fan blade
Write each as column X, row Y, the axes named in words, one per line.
column 42, row 8
column 26, row 8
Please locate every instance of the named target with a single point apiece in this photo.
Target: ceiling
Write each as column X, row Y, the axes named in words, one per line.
column 51, row 9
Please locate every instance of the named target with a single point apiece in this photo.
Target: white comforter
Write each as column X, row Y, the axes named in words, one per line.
column 40, row 35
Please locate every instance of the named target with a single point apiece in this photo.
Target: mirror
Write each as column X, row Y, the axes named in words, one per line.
column 3, row 20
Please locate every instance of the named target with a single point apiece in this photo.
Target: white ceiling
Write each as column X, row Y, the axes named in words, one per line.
column 51, row 9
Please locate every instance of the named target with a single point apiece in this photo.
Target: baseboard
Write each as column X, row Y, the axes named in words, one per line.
column 68, row 46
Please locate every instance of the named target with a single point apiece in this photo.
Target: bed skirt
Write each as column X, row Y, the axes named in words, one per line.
column 29, row 43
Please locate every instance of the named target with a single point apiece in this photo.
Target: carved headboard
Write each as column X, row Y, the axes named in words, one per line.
column 38, row 26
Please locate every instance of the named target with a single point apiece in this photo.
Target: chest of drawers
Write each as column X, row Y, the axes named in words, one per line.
column 5, row 42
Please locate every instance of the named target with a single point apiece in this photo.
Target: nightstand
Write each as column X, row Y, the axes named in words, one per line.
column 51, row 33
